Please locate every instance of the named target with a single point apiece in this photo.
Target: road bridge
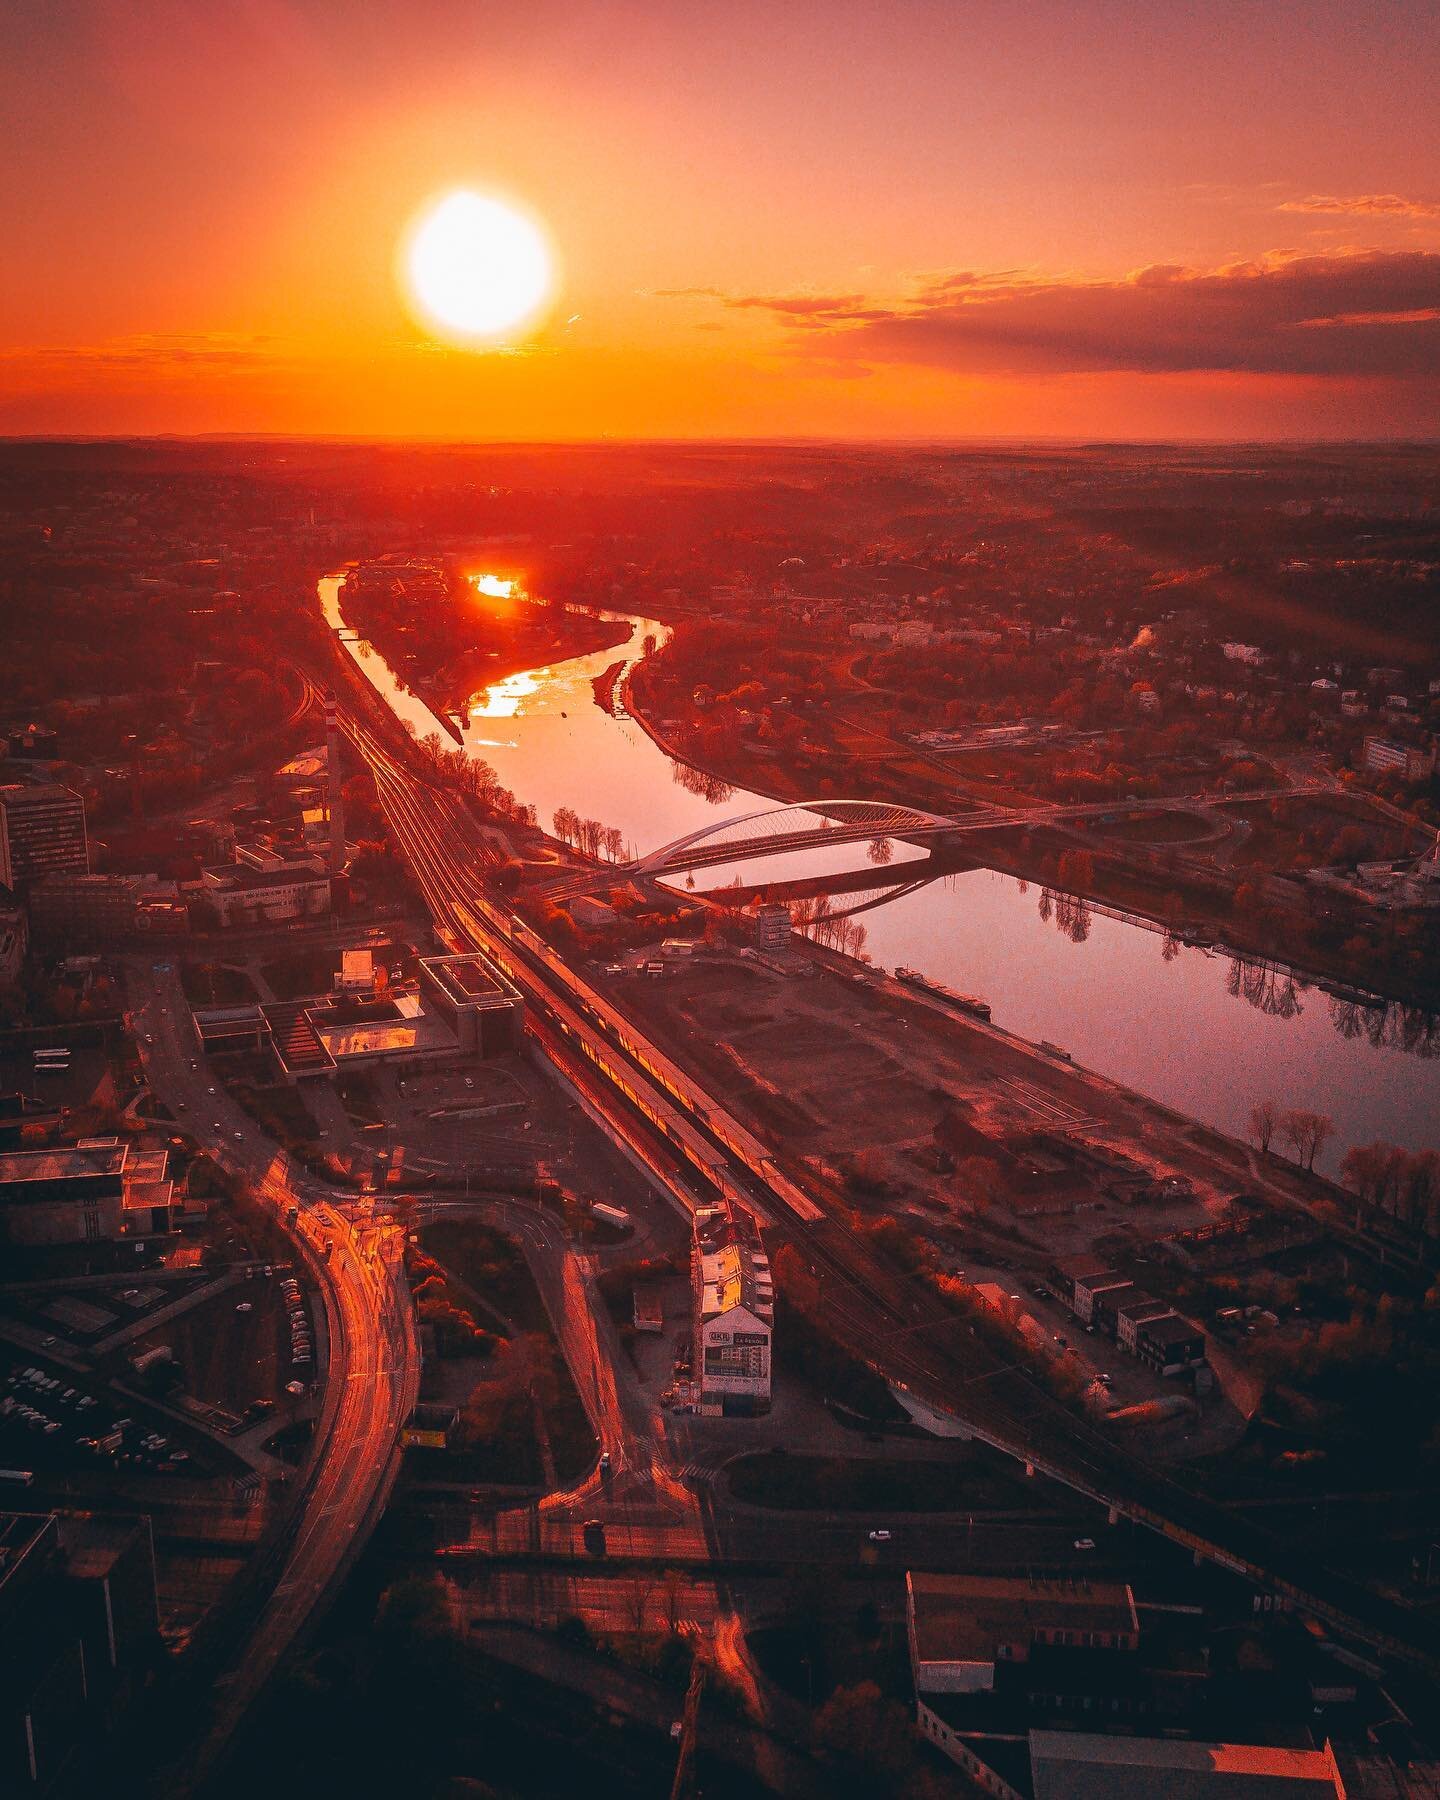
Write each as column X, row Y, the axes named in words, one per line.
column 866, row 1301
column 800, row 825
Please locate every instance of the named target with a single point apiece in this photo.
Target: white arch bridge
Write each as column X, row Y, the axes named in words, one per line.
column 802, row 825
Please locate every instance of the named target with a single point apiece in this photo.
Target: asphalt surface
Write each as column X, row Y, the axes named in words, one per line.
column 372, row 1378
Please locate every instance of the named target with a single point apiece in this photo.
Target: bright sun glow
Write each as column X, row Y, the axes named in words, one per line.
column 476, row 267
column 498, row 587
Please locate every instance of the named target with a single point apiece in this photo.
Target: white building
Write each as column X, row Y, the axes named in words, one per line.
column 734, row 1309
column 261, row 888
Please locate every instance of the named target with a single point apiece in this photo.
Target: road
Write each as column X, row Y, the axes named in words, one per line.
column 372, row 1381
column 893, row 1323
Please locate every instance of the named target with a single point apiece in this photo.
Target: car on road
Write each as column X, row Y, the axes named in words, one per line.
column 881, row 1536
column 1083, row 1544
column 604, row 1462
column 209, row 1090
column 244, row 1307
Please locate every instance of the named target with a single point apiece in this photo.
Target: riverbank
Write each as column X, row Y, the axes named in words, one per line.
column 1206, row 1034
column 1164, row 888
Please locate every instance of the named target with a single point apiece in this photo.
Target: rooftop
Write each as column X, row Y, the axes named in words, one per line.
column 1169, row 1328
column 733, row 1267
column 1076, row 1765
column 234, row 877
column 965, row 1618
column 468, row 980
column 65, row 1163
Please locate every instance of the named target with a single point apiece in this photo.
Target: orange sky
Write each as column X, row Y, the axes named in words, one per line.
column 832, row 217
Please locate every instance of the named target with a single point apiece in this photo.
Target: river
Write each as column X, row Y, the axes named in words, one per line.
column 1196, row 1030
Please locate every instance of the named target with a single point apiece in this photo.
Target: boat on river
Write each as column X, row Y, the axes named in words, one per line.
column 966, row 1003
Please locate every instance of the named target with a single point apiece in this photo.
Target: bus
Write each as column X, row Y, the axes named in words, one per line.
column 50, row 1061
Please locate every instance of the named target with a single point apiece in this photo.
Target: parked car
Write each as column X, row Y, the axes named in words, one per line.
column 881, row 1536
column 1084, row 1544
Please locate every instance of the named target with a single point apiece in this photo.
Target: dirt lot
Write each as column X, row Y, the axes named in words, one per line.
column 903, row 1104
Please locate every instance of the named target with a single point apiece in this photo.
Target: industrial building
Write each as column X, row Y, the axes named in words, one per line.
column 1150, row 1329
column 1081, row 1765
column 733, row 1297
column 1038, row 1690
column 42, row 832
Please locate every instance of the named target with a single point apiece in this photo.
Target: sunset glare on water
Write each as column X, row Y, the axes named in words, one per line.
column 720, row 900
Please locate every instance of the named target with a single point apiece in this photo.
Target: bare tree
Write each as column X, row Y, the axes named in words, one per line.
column 1264, row 1117
column 1307, row 1133
column 637, row 1601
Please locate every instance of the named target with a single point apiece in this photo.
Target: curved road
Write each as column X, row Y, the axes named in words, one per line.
column 373, row 1374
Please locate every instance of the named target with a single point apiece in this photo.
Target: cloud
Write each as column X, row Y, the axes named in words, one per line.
column 1371, row 313
column 798, row 308
column 1363, row 206
column 149, row 351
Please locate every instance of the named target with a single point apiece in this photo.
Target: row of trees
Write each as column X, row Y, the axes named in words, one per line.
column 817, row 919
column 1402, row 1183
column 590, row 837
column 474, row 777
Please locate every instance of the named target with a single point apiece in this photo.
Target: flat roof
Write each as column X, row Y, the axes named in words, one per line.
column 470, row 980
column 1169, row 1328
column 235, row 877
column 965, row 1618
column 67, row 1163
column 385, row 1037
column 1075, row 1765
column 36, row 790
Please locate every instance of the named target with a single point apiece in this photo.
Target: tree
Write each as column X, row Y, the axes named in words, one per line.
column 1307, row 1133
column 867, row 1739
column 1264, row 1117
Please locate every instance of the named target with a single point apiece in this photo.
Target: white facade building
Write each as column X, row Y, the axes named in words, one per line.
column 734, row 1310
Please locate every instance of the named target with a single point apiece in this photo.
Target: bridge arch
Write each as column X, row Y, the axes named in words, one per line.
column 794, row 825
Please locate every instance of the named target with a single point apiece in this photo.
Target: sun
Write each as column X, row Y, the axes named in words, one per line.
column 477, row 268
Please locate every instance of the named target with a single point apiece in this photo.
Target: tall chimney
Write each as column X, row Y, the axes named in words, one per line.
column 335, row 800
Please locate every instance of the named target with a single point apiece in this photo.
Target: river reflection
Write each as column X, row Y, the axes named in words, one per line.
column 1205, row 1032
